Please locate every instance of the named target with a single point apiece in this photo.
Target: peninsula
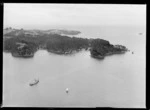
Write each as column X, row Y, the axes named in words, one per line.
column 24, row 43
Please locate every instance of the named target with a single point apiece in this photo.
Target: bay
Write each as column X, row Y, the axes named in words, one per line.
column 116, row 81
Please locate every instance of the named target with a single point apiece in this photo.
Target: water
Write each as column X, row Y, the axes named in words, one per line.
column 116, row 81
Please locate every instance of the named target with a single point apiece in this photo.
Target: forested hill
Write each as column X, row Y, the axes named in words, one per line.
column 21, row 44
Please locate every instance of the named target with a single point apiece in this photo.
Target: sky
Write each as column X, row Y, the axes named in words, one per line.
column 29, row 15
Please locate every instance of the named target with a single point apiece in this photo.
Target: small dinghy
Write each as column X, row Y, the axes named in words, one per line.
column 36, row 81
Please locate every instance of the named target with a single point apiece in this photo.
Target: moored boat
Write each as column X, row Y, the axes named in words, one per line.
column 34, row 83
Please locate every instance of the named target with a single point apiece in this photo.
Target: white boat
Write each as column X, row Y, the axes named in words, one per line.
column 67, row 90
column 36, row 81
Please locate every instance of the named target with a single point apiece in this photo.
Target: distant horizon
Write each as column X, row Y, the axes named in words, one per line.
column 66, row 27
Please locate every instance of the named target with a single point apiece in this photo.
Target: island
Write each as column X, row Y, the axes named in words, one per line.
column 24, row 43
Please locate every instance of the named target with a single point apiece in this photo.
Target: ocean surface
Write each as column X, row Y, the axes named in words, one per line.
column 116, row 81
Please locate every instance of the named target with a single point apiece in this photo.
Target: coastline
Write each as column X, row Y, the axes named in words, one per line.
column 25, row 46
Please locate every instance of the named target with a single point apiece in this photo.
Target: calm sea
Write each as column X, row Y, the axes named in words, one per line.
column 116, row 81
